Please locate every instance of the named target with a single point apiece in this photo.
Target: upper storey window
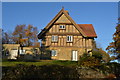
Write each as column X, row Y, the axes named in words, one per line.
column 69, row 38
column 54, row 38
column 62, row 26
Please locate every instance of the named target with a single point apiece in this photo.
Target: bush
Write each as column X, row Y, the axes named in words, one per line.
column 114, row 68
column 101, row 54
column 90, row 61
column 97, row 55
column 54, row 72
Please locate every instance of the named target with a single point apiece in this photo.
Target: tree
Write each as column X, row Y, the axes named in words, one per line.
column 114, row 47
column 98, row 57
column 6, row 37
column 18, row 34
column 101, row 55
column 31, row 34
column 99, row 52
column 26, row 35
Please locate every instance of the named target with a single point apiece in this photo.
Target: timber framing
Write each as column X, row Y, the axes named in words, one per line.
column 68, row 40
column 55, row 18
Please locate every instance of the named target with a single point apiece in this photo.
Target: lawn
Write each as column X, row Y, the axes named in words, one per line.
column 55, row 69
column 39, row 63
column 43, row 70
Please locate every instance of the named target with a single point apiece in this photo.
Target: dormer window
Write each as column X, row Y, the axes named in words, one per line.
column 62, row 26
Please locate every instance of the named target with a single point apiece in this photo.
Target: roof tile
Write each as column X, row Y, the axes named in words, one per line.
column 88, row 30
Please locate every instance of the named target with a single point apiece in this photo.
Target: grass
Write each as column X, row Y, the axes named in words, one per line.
column 39, row 63
column 52, row 71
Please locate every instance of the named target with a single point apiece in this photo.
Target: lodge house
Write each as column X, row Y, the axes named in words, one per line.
column 65, row 39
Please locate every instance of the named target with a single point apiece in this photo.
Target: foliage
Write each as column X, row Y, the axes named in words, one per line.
column 98, row 56
column 6, row 37
column 88, row 73
column 54, row 72
column 89, row 61
column 90, row 64
column 115, row 69
column 114, row 47
column 57, row 70
column 26, row 35
column 23, row 35
column 112, row 68
column 101, row 54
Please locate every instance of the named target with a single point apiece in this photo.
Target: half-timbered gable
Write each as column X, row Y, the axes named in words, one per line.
column 63, row 36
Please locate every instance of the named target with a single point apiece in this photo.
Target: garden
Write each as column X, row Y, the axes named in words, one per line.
column 88, row 67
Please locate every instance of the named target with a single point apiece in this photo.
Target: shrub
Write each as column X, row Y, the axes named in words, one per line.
column 97, row 55
column 90, row 61
column 114, row 68
column 111, row 76
column 101, row 55
column 54, row 72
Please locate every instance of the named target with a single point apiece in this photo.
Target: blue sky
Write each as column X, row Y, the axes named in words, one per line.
column 103, row 16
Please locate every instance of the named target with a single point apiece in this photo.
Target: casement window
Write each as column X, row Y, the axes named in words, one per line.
column 53, row 52
column 62, row 26
column 54, row 38
column 69, row 38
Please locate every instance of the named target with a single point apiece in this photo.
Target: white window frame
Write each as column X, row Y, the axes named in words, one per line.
column 53, row 52
column 69, row 38
column 54, row 38
column 62, row 26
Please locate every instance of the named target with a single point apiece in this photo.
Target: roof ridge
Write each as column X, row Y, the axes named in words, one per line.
column 62, row 11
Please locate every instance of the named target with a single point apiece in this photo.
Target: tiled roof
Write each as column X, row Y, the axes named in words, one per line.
column 88, row 30
column 65, row 12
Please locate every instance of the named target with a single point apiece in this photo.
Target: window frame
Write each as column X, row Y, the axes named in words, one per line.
column 53, row 53
column 54, row 38
column 62, row 27
column 70, row 38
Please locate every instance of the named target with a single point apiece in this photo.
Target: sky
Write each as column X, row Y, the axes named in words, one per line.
column 103, row 16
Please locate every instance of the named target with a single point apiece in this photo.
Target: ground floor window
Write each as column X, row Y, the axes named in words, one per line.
column 53, row 52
